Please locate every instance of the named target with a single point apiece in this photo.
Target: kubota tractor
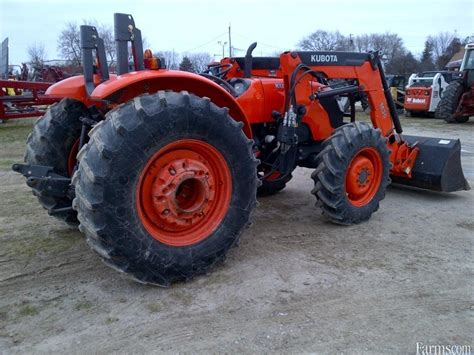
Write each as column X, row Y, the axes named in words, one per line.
column 457, row 102
column 162, row 168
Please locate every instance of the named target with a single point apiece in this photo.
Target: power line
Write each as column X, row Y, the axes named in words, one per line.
column 208, row 42
column 259, row 42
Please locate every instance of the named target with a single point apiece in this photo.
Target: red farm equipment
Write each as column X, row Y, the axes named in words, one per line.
column 457, row 103
column 19, row 99
column 162, row 168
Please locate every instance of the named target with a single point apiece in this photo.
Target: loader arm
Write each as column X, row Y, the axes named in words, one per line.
column 304, row 74
column 366, row 69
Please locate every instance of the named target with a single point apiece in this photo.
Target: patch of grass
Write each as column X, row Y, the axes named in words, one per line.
column 7, row 163
column 37, row 244
column 28, row 310
column 84, row 305
column 16, row 200
column 111, row 320
column 154, row 307
column 15, row 131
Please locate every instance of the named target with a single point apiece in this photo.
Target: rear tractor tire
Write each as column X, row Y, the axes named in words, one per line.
column 54, row 142
column 165, row 186
column 352, row 173
column 449, row 103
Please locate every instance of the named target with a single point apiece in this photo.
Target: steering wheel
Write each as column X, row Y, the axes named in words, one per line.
column 219, row 70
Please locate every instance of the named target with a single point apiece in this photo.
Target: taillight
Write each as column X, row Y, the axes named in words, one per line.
column 427, row 93
column 408, row 92
column 150, row 61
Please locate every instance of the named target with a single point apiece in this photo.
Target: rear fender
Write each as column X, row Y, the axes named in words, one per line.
column 127, row 86
column 73, row 88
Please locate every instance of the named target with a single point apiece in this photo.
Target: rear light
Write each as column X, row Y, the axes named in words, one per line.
column 408, row 92
column 150, row 61
column 427, row 93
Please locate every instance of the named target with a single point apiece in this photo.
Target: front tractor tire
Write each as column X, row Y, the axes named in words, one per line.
column 449, row 103
column 165, row 186
column 352, row 173
column 54, row 142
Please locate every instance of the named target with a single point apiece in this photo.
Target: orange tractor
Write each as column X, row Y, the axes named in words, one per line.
column 162, row 168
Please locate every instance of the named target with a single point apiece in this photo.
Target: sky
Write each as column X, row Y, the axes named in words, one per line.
column 197, row 26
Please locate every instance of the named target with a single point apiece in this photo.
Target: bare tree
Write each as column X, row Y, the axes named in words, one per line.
column 324, row 41
column 468, row 39
column 440, row 42
column 390, row 44
column 145, row 43
column 200, row 61
column 172, row 59
column 454, row 47
column 106, row 33
column 69, row 43
column 36, row 54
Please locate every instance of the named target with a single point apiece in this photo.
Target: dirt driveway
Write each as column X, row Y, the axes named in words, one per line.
column 295, row 284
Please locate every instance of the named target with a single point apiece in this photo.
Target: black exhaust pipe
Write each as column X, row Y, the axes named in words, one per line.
column 248, row 60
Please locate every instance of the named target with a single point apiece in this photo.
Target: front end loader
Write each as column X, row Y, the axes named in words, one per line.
column 161, row 168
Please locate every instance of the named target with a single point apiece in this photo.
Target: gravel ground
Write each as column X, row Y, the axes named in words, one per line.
column 295, row 284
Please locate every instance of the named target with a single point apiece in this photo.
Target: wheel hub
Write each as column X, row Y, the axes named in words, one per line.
column 363, row 176
column 182, row 192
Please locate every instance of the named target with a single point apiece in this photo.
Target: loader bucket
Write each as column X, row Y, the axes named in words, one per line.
column 438, row 165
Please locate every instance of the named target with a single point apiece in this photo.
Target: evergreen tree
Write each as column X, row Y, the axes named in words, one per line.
column 403, row 65
column 427, row 56
column 186, row 65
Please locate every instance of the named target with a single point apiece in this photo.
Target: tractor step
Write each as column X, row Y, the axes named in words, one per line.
column 44, row 180
column 438, row 165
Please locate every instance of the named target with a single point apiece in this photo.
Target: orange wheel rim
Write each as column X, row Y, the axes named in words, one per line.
column 72, row 158
column 363, row 176
column 184, row 192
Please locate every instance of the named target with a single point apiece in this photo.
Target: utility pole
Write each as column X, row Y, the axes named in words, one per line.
column 223, row 44
column 230, row 43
